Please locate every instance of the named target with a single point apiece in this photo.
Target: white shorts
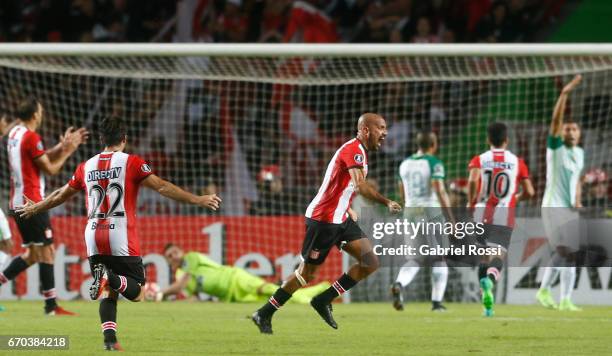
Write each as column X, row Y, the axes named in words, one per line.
column 562, row 227
column 5, row 230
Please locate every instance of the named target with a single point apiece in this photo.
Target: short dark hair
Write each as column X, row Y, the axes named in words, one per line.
column 168, row 246
column 425, row 139
column 571, row 121
column 497, row 133
column 112, row 131
column 27, row 108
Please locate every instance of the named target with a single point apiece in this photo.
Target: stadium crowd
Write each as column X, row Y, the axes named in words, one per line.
column 276, row 20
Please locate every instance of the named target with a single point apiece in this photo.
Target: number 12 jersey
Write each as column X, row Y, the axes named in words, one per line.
column 111, row 181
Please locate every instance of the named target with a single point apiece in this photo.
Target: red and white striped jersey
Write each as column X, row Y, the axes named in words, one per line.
column 337, row 190
column 500, row 174
column 111, row 181
column 24, row 146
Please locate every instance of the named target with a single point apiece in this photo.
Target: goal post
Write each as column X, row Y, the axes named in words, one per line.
column 257, row 124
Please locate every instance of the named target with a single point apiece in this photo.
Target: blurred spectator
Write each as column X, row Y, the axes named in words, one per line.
column 309, row 24
column 595, row 189
column 424, row 32
column 271, row 197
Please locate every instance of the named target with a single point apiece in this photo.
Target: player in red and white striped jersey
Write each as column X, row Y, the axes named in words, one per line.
column 28, row 161
column 493, row 191
column 111, row 180
column 330, row 221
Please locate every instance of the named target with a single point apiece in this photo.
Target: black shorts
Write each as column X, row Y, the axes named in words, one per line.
column 496, row 235
column 322, row 236
column 35, row 230
column 127, row 266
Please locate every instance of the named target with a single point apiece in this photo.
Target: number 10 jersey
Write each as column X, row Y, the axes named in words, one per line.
column 500, row 174
column 111, row 181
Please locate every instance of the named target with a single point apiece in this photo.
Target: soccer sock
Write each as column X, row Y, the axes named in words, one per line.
column 439, row 277
column 126, row 286
column 494, row 269
column 407, row 273
column 549, row 277
column 568, row 278
column 3, row 258
column 108, row 319
column 47, row 280
column 17, row 265
column 344, row 283
column 482, row 270
column 277, row 300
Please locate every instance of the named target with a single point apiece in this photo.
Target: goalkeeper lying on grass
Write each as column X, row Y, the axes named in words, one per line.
column 197, row 273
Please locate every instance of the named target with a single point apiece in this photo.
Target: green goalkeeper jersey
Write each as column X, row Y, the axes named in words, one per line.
column 207, row 276
column 563, row 167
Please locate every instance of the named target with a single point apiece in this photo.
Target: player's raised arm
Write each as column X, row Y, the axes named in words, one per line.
column 368, row 191
column 559, row 111
column 52, row 160
column 56, row 198
column 174, row 192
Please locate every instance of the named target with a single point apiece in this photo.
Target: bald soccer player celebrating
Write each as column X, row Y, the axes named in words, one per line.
column 330, row 221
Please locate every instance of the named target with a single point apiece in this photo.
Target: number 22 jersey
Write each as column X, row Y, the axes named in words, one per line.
column 111, row 181
column 500, row 174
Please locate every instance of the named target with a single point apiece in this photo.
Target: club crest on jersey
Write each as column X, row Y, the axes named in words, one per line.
column 358, row 158
column 145, row 168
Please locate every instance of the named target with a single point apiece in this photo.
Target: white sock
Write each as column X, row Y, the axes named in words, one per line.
column 549, row 277
column 407, row 272
column 3, row 258
column 568, row 278
column 439, row 277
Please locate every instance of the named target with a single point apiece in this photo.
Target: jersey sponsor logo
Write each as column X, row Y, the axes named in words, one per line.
column 498, row 165
column 98, row 226
column 112, row 173
column 145, row 168
column 358, row 158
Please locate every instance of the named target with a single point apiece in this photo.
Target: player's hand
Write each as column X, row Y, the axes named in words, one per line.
column 72, row 139
column 211, row 202
column 394, row 207
column 28, row 210
column 571, row 85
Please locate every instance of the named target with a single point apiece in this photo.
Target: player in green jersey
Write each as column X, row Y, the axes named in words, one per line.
column 562, row 196
column 424, row 194
column 196, row 273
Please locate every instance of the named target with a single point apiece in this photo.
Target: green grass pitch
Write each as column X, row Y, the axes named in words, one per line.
column 183, row 328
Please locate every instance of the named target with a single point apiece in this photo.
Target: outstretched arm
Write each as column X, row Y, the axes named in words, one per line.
column 527, row 191
column 175, row 288
column 367, row 190
column 559, row 111
column 473, row 186
column 52, row 161
column 56, row 198
column 173, row 192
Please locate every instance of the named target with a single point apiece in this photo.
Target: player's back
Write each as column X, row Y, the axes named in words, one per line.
column 500, row 174
column 416, row 173
column 24, row 146
column 111, row 181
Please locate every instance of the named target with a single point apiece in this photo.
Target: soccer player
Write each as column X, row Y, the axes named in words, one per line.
column 564, row 163
column 111, row 180
column 28, row 160
column 424, row 195
column 493, row 191
column 6, row 242
column 197, row 273
column 330, row 221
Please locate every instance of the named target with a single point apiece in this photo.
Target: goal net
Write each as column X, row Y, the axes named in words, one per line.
column 258, row 126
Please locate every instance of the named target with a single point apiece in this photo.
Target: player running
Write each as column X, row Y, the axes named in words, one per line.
column 424, row 195
column 493, row 191
column 111, row 180
column 28, row 160
column 330, row 221
column 196, row 273
column 562, row 195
